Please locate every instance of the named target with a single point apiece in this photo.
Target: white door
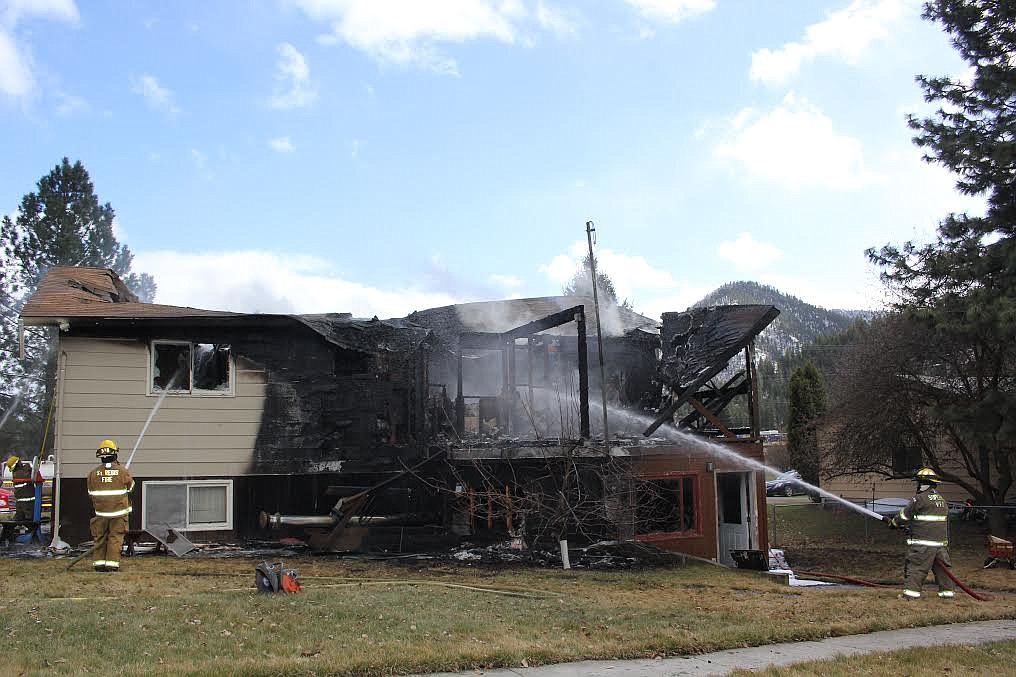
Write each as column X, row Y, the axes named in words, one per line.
column 732, row 514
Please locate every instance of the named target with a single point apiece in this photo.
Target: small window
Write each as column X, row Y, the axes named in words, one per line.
column 197, row 368
column 667, row 506
column 197, row 505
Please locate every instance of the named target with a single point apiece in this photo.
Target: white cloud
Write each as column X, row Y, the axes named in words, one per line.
column 557, row 21
column 354, row 147
column 845, row 35
column 281, row 145
column 70, row 104
column 671, row 10
column 296, row 89
column 747, row 254
column 259, row 281
column 158, row 97
column 794, row 145
column 510, row 281
column 57, row 10
column 653, row 291
column 17, row 80
column 412, row 33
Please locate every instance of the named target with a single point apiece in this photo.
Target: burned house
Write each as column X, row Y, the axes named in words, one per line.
column 482, row 420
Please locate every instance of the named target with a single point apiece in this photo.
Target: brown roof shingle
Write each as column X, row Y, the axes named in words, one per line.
column 67, row 292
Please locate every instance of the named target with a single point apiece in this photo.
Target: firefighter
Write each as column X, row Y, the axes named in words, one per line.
column 24, row 489
column 109, row 486
column 925, row 519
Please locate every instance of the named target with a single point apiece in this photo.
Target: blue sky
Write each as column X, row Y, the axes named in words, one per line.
column 381, row 156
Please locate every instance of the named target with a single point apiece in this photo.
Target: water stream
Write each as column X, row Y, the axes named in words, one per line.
column 10, row 410
column 721, row 451
column 151, row 415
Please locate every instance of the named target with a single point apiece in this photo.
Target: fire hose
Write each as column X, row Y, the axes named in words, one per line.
column 942, row 565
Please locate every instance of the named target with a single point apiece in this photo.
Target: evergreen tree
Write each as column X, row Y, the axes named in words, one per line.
column 62, row 222
column 581, row 284
column 961, row 288
column 807, row 403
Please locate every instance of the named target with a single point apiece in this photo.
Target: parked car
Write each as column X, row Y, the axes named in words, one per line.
column 887, row 506
column 789, row 483
column 7, row 504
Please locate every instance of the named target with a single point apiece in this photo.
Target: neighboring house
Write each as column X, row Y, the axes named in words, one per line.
column 280, row 416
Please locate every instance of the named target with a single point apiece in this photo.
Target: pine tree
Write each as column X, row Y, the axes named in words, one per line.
column 62, row 222
column 806, row 404
column 961, row 288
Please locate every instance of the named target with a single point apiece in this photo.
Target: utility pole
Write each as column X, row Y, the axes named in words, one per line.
column 599, row 336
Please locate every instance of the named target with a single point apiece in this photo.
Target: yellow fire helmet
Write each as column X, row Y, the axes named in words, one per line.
column 927, row 475
column 106, row 448
column 12, row 462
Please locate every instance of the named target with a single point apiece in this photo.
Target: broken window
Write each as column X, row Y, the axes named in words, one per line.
column 668, row 506
column 182, row 367
column 197, row 505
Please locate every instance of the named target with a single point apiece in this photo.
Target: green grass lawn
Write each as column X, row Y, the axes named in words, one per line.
column 201, row 616
column 991, row 659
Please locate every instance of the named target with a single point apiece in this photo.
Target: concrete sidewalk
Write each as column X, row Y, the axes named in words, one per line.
column 724, row 662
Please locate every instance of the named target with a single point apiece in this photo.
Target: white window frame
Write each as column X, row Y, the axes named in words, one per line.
column 192, row 392
column 211, row 526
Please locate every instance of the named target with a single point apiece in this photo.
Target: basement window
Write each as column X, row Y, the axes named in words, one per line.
column 195, row 368
column 194, row 505
column 668, row 506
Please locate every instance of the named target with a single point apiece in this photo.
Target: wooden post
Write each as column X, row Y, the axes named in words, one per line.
column 580, row 322
column 508, row 508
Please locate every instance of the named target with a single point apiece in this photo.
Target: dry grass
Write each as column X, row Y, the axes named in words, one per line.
column 840, row 541
column 997, row 658
column 201, row 616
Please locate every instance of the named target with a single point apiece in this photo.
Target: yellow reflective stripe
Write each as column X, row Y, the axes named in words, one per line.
column 111, row 563
column 931, row 518
column 918, row 541
column 107, row 492
column 116, row 513
column 947, row 593
column 99, row 563
column 23, row 484
column 911, row 593
column 30, row 498
column 902, row 516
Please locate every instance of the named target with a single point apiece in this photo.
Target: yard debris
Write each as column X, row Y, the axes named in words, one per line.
column 600, row 555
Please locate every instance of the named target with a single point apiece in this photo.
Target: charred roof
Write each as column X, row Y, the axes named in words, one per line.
column 698, row 343
column 98, row 297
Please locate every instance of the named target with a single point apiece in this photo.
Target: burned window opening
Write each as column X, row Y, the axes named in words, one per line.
column 668, row 506
column 182, row 368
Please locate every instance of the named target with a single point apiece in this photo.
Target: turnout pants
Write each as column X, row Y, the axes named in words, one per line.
column 921, row 558
column 107, row 554
column 25, row 511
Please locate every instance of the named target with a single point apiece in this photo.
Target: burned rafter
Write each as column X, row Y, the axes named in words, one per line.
column 699, row 343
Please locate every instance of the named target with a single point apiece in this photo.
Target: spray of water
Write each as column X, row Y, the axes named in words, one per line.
column 10, row 410
column 151, row 415
column 720, row 451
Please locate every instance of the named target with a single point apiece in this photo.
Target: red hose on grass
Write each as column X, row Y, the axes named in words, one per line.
column 949, row 573
column 858, row 581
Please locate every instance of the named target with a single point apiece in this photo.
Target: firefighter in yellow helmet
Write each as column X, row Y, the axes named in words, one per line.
column 926, row 519
column 24, row 489
column 109, row 486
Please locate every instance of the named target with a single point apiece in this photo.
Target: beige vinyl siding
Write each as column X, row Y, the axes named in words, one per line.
column 861, row 488
column 105, row 395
